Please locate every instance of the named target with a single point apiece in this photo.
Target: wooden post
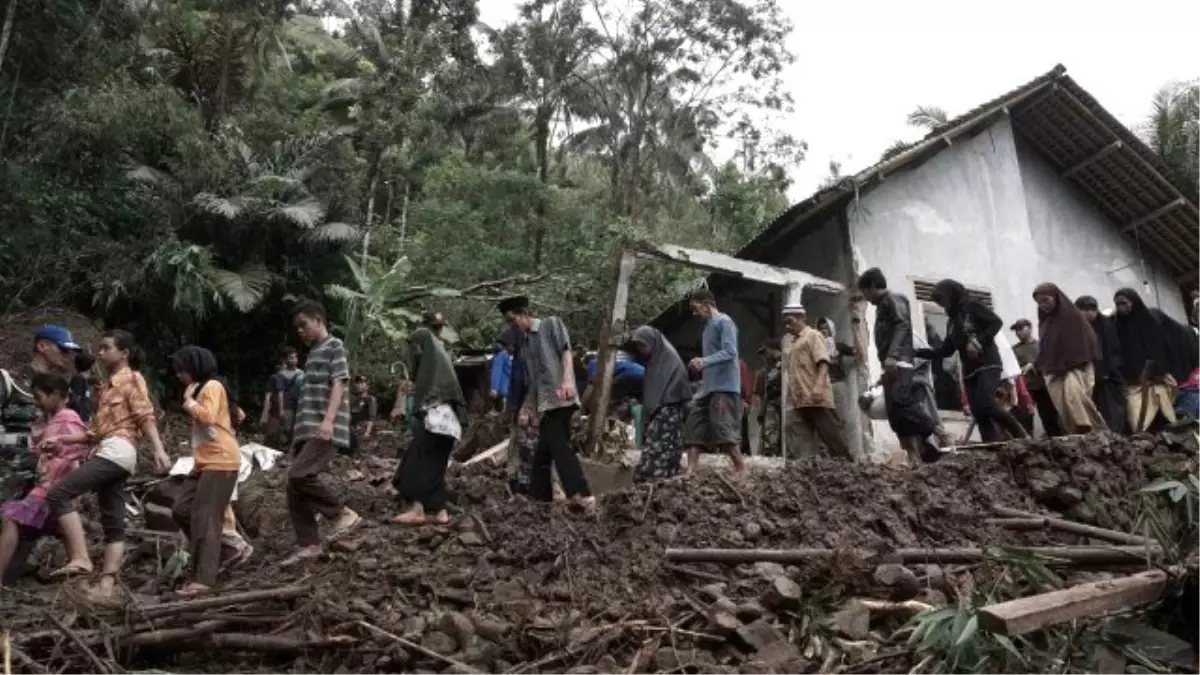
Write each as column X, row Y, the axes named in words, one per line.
column 612, row 330
column 792, row 295
column 1023, row 615
column 1076, row 528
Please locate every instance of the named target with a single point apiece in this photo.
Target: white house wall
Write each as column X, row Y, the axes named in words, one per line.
column 994, row 217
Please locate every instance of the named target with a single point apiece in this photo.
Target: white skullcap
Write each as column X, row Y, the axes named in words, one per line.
column 796, row 308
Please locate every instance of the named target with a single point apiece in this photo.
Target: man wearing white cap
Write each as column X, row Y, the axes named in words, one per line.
column 812, row 413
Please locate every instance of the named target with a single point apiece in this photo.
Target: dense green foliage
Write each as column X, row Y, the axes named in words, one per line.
column 187, row 169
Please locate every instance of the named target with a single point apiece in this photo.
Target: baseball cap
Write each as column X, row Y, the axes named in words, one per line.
column 59, row 335
column 1019, row 324
column 795, row 308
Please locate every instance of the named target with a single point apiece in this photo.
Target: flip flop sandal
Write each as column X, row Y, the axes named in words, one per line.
column 69, row 571
column 299, row 557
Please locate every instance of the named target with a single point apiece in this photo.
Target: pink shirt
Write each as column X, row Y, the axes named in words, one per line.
column 56, row 462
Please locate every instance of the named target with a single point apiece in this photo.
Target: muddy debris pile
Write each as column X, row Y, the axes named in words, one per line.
column 1095, row 479
column 513, row 586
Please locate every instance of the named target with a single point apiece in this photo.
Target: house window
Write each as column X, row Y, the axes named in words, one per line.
column 945, row 372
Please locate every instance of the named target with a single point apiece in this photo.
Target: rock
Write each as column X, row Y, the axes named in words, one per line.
column 758, row 635
column 345, row 545
column 479, row 652
column 492, row 628
column 1063, row 498
column 470, row 539
column 607, row 664
column 725, row 606
column 750, row 610
column 1082, row 512
column 1156, row 644
column 933, row 597
column 666, row 533
column 457, row 626
column 665, row 660
column 713, row 591
column 1107, row 661
column 413, row 625
column 901, row 582
column 784, row 594
column 439, row 642
column 368, row 564
column 769, row 570
column 852, row 620
column 752, row 531
column 723, row 624
column 1042, row 483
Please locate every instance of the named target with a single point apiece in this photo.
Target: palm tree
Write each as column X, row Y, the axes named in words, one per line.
column 1173, row 132
column 928, row 117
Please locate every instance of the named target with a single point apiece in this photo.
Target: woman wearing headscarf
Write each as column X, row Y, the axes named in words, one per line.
column 971, row 330
column 1109, row 390
column 841, row 363
column 665, row 395
column 1157, row 353
column 1067, row 354
column 205, row 495
column 438, row 408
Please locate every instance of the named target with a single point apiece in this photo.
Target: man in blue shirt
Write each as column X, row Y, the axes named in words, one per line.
column 715, row 417
column 501, row 373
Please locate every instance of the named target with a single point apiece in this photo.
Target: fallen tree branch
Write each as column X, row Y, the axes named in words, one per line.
column 173, row 635
column 79, row 644
column 462, row 667
column 274, row 643
column 1079, row 555
column 699, row 574
column 214, row 602
column 1075, row 528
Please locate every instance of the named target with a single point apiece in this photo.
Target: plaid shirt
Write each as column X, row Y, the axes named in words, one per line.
column 123, row 408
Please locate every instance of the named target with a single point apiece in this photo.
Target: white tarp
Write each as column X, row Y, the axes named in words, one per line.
column 252, row 453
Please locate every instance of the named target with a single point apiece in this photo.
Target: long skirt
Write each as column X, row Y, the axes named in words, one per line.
column 662, row 450
column 522, row 442
column 1157, row 397
column 1072, row 395
column 421, row 477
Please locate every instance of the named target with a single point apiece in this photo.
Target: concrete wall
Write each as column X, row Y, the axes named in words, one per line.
column 995, row 216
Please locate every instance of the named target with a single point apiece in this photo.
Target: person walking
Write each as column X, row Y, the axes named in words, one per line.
column 1066, row 358
column 551, row 394
column 1109, row 390
column 971, row 331
column 812, row 415
column 205, row 494
column 1156, row 356
column 439, row 411
column 665, row 397
column 322, row 426
column 1026, row 350
column 715, row 415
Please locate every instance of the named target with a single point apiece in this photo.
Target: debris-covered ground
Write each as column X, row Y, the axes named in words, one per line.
column 512, row 586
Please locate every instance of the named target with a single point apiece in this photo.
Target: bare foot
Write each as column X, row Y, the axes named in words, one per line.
column 344, row 524
column 439, row 518
column 303, row 553
column 193, row 588
column 73, row 568
column 412, row 517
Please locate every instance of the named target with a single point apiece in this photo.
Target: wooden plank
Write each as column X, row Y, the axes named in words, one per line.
column 1020, row 616
column 1155, row 214
column 612, row 330
column 737, row 267
column 496, row 449
column 1093, row 158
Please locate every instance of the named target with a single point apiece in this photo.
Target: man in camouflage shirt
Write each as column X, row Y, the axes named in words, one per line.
column 771, row 417
column 53, row 348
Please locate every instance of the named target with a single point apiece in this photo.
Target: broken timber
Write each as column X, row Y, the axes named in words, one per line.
column 1076, row 555
column 614, row 331
column 1073, row 527
column 1023, row 615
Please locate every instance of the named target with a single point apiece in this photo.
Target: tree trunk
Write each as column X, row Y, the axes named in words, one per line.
column 404, row 214
column 10, row 17
column 370, row 216
column 542, row 138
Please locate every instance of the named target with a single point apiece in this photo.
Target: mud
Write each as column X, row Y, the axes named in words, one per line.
column 514, row 586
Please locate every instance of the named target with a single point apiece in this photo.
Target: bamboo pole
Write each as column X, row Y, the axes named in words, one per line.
column 1076, row 528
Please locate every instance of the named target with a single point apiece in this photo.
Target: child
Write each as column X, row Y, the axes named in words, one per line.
column 29, row 518
column 363, row 411
column 204, row 499
column 123, row 416
column 322, row 426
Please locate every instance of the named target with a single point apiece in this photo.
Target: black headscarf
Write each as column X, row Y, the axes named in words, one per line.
column 1142, row 339
column 1067, row 339
column 201, row 365
column 666, row 378
column 1149, row 335
column 951, row 295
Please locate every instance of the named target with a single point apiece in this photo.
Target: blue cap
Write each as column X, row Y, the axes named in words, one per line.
column 58, row 335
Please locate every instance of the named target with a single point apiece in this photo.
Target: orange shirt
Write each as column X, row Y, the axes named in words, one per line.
column 123, row 408
column 214, row 444
column 809, row 387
